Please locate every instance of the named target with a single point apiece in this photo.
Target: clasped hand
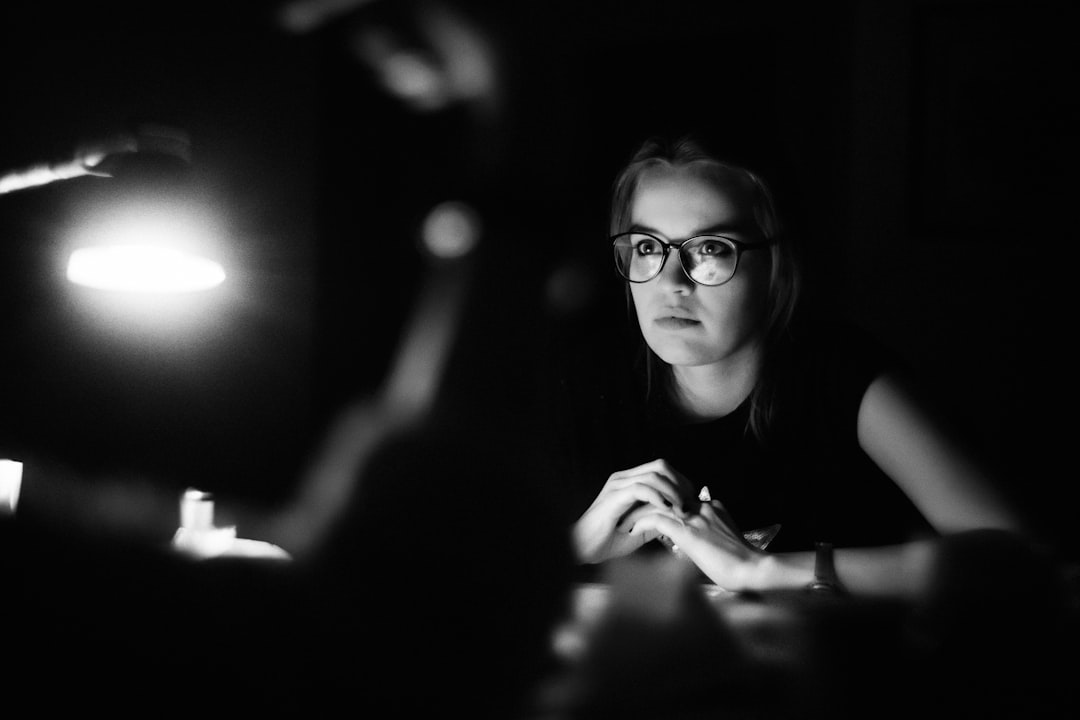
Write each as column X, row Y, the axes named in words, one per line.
column 646, row 502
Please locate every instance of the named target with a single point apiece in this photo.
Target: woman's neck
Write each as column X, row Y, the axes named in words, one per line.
column 712, row 391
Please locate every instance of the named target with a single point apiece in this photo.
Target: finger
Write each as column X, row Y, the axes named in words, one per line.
column 717, row 512
column 659, row 466
column 663, row 467
column 644, row 493
column 654, row 482
column 720, row 523
column 650, row 466
column 642, row 511
column 662, row 524
column 623, row 474
column 617, row 505
column 685, row 488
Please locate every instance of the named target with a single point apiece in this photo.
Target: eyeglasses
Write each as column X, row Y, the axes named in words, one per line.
column 706, row 259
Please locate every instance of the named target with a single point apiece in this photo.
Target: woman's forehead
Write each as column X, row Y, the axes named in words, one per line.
column 703, row 195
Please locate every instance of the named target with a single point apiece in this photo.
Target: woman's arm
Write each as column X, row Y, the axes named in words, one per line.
column 904, row 570
column 602, row 532
column 712, row 542
column 927, row 461
column 912, row 570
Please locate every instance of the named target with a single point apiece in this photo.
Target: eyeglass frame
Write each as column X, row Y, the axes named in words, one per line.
column 740, row 247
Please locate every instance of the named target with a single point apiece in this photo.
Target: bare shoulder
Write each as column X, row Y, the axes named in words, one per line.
column 892, row 398
column 908, row 436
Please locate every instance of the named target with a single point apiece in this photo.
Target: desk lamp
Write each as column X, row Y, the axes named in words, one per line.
column 142, row 252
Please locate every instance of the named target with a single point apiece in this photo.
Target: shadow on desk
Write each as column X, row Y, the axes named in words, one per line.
column 431, row 598
column 437, row 602
column 650, row 641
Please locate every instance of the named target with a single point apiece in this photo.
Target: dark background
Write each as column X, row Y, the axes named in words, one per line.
column 924, row 151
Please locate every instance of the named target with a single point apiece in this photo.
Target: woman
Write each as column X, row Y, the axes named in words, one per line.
column 807, row 435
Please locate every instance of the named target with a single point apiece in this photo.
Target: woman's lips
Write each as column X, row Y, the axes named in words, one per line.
column 670, row 322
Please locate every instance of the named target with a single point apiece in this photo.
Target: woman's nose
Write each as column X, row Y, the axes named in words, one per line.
column 672, row 277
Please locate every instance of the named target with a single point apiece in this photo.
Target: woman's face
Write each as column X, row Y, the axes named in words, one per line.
column 684, row 323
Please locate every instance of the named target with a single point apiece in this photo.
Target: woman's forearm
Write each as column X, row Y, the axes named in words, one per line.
column 896, row 570
column 912, row 570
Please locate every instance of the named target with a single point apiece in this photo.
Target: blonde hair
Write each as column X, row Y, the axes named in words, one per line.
column 785, row 277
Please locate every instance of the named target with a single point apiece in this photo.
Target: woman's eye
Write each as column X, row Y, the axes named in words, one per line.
column 646, row 247
column 713, row 248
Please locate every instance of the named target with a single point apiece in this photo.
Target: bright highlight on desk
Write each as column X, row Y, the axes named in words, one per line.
column 10, row 483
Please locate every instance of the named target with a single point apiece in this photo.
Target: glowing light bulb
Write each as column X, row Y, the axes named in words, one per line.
column 143, row 269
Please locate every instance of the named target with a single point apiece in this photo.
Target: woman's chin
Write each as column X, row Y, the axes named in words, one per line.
column 681, row 355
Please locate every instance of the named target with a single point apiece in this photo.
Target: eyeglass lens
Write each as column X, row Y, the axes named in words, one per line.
column 708, row 260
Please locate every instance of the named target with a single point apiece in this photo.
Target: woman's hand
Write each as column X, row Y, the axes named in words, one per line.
column 710, row 539
column 606, row 529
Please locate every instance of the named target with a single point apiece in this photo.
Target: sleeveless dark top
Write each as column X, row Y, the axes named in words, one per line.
column 809, row 475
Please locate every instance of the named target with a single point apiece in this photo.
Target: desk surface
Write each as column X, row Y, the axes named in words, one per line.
column 654, row 648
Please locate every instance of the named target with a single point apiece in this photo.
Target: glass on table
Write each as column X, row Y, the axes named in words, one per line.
column 11, row 472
